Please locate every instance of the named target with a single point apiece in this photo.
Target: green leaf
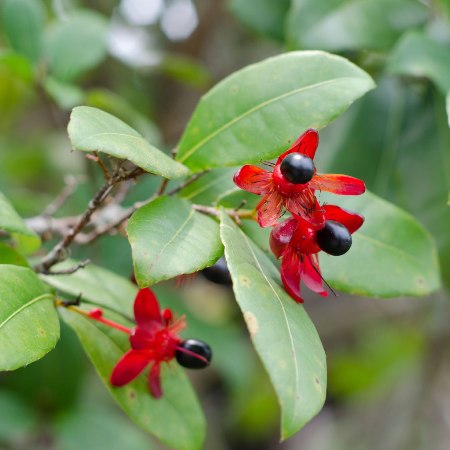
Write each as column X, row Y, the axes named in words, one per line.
column 176, row 418
column 118, row 106
column 95, row 426
column 91, row 129
column 95, row 285
column 257, row 112
column 403, row 130
column 168, row 238
column 186, row 70
column 66, row 95
column 9, row 256
column 29, row 326
column 392, row 254
column 420, row 56
column 76, row 45
column 224, row 336
column 264, row 16
column 24, row 21
column 337, row 25
column 283, row 334
column 260, row 236
column 16, row 91
column 11, row 222
column 447, row 107
column 17, row 64
column 207, row 189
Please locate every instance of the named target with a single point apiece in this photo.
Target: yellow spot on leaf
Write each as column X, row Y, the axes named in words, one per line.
column 131, row 394
column 252, row 323
column 244, row 281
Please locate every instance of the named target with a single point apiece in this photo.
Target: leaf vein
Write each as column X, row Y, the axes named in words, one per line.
column 24, row 306
column 159, row 254
column 251, row 111
column 294, row 353
column 92, row 136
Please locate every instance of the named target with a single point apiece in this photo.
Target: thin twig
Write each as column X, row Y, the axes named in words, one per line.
column 70, row 270
column 127, row 213
column 122, row 191
column 60, row 250
column 46, row 226
column 70, row 228
column 241, row 205
column 98, row 160
column 187, row 182
column 236, row 215
column 71, row 184
column 88, row 238
column 162, row 187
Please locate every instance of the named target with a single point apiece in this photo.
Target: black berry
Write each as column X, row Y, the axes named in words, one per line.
column 334, row 238
column 218, row 273
column 297, row 168
column 196, row 349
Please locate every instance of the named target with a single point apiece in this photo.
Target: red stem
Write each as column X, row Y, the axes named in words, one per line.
column 195, row 355
column 112, row 324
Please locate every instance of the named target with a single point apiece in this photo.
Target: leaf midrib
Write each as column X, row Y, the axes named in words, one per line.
column 24, row 306
column 140, row 376
column 92, row 136
column 238, row 118
column 201, row 189
column 175, row 235
column 294, row 353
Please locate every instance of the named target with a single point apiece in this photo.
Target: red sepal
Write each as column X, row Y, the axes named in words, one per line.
column 269, row 209
column 306, row 144
column 129, row 367
column 290, row 274
column 253, row 179
column 338, row 184
column 306, row 207
column 154, row 381
column 141, row 339
column 281, row 235
column 310, row 274
column 349, row 219
column 146, row 309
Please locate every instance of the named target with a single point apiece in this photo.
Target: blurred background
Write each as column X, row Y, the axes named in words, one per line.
column 148, row 62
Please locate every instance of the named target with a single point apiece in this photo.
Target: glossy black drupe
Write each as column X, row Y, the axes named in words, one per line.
column 218, row 273
column 197, row 347
column 334, row 238
column 297, row 168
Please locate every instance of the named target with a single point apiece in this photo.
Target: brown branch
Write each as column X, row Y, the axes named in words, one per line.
column 99, row 231
column 60, row 250
column 127, row 213
column 187, row 182
column 70, row 270
column 98, row 160
column 46, row 226
column 162, row 187
column 70, row 228
column 235, row 214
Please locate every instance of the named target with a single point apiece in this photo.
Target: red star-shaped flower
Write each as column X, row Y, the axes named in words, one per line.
column 298, row 245
column 155, row 340
column 292, row 183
